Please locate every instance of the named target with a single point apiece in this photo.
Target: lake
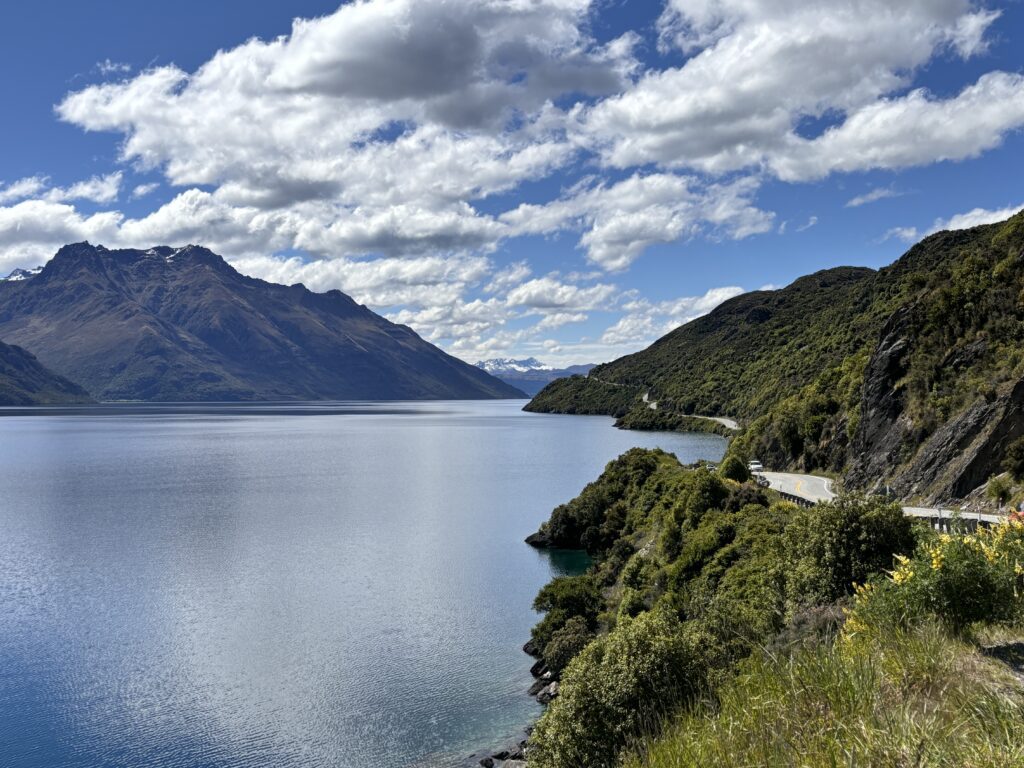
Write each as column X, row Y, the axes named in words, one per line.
column 340, row 584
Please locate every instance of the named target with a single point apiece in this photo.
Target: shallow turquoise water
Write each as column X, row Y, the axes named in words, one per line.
column 302, row 585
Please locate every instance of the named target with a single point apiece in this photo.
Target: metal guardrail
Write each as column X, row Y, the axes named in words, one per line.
column 800, row 501
column 943, row 520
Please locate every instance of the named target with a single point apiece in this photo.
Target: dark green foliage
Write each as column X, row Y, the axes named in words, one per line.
column 561, row 600
column 565, row 643
column 999, row 488
column 743, row 496
column 642, row 417
column 584, row 395
column 1013, row 462
column 618, row 689
column 596, row 518
column 743, row 357
column 830, row 547
column 733, row 468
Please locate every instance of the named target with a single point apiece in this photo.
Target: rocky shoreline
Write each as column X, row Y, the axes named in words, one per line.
column 545, row 690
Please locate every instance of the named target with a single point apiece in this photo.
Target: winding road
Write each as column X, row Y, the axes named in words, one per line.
column 816, row 489
column 810, row 487
column 725, row 422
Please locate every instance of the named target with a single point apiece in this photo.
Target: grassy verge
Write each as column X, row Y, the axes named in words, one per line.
column 918, row 697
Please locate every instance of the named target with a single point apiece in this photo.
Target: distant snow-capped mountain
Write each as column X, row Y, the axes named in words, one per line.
column 529, row 374
column 500, row 365
column 21, row 274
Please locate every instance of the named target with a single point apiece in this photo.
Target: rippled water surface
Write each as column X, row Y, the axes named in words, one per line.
column 307, row 585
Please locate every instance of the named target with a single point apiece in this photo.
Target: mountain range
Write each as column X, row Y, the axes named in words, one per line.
column 529, row 374
column 180, row 324
column 910, row 377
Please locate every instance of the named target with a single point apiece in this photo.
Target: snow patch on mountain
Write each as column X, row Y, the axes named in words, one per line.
column 509, row 365
column 21, row 274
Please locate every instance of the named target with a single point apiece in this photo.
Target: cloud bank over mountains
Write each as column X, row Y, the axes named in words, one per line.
column 395, row 148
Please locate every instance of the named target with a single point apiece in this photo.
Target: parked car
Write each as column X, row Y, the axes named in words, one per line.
column 755, row 466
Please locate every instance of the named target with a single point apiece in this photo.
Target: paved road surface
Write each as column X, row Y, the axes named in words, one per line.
column 814, row 488
column 721, row 420
column 727, row 423
column 810, row 487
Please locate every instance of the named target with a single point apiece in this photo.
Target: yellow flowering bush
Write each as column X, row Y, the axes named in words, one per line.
column 960, row 578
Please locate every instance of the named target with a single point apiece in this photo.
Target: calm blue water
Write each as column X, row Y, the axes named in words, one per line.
column 307, row 585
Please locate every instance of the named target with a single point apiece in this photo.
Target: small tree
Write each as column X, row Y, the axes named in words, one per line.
column 733, row 468
column 566, row 643
column 832, row 546
column 616, row 689
column 999, row 489
column 1013, row 461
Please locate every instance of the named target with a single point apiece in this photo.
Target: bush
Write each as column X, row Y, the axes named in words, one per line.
column 733, row 468
column 566, row 643
column 1013, row 461
column 562, row 599
column 831, row 546
column 999, row 489
column 960, row 579
column 595, row 519
column 618, row 689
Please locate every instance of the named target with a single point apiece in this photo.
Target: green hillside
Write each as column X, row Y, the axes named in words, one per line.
column 849, row 370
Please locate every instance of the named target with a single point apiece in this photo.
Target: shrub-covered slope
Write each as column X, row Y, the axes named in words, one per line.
column 704, row 591
column 910, row 376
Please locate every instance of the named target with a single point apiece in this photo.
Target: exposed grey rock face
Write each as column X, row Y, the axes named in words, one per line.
column 182, row 324
column 888, row 449
column 548, row 694
column 965, row 451
column 882, row 433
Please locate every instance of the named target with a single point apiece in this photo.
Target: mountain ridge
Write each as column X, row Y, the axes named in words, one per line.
column 181, row 324
column 529, row 374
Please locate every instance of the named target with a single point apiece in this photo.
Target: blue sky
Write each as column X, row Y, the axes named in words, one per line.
column 561, row 179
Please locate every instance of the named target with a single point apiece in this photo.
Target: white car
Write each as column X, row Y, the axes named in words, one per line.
column 755, row 466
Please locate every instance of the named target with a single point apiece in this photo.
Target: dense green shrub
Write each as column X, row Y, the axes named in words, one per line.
column 565, row 643
column 999, row 489
column 960, row 579
column 1013, row 462
column 733, row 468
column 829, row 547
column 562, row 599
column 619, row 688
column 595, row 519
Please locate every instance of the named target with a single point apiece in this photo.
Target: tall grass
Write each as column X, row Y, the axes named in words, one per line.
column 911, row 698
